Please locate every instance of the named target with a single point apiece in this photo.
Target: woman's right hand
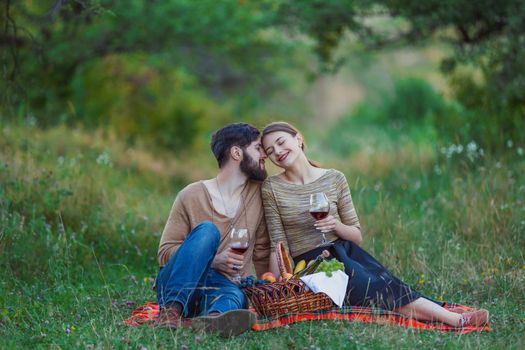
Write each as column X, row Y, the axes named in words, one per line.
column 327, row 224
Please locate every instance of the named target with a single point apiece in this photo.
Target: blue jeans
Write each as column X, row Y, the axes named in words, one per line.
column 188, row 278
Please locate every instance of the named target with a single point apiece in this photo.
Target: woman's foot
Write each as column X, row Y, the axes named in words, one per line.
column 459, row 310
column 474, row 318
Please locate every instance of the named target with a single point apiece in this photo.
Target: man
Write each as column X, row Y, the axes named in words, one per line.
column 197, row 263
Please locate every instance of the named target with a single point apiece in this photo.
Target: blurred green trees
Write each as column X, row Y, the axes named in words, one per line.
column 486, row 68
column 158, row 69
column 413, row 109
column 143, row 101
column 162, row 69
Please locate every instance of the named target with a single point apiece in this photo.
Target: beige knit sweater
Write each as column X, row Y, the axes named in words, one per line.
column 193, row 205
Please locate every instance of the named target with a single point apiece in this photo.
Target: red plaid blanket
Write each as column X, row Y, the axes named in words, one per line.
column 149, row 313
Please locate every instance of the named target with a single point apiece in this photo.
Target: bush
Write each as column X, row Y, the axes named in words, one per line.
column 414, row 100
column 417, row 113
column 483, row 117
column 143, row 101
column 408, row 115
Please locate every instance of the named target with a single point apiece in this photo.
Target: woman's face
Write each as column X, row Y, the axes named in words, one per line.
column 282, row 148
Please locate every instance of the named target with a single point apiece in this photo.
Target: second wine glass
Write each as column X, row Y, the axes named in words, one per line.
column 319, row 209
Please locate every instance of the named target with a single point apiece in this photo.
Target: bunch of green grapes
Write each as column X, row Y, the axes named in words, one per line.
column 329, row 266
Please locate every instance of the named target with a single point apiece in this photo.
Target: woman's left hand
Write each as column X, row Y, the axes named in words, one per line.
column 327, row 224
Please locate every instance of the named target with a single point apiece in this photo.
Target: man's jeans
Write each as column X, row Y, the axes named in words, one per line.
column 188, row 278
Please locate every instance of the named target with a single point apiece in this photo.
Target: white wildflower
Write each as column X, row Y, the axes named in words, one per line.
column 31, row 120
column 472, row 151
column 104, row 158
column 472, row 147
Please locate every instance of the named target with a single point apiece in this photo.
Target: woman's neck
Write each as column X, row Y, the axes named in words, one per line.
column 302, row 172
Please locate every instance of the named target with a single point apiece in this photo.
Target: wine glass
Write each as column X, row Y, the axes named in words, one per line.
column 319, row 209
column 239, row 241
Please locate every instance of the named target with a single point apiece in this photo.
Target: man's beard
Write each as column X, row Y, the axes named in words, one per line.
column 252, row 169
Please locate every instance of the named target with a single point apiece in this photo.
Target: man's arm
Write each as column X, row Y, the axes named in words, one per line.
column 175, row 231
column 261, row 251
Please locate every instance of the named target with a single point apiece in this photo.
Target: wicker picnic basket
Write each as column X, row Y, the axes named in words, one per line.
column 285, row 297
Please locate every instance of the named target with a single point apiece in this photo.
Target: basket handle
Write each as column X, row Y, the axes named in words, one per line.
column 283, row 259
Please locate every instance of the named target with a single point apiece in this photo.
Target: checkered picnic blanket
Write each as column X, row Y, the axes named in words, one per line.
column 149, row 313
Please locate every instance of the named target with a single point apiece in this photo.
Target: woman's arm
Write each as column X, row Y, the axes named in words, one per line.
column 348, row 228
column 350, row 233
column 347, row 232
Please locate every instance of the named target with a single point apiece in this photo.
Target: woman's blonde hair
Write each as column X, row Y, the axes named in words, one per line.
column 289, row 129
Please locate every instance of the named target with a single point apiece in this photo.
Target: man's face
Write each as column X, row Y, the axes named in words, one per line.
column 252, row 163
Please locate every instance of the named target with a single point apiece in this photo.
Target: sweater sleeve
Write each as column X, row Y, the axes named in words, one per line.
column 345, row 206
column 261, row 251
column 273, row 219
column 175, row 232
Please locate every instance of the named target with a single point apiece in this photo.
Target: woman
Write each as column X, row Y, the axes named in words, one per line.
column 286, row 203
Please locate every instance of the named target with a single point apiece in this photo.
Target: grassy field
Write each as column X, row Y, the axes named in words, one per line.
column 81, row 215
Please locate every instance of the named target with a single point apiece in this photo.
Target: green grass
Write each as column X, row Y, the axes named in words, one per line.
column 81, row 215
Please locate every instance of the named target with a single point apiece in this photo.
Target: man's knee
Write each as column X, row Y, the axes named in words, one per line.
column 208, row 232
column 239, row 297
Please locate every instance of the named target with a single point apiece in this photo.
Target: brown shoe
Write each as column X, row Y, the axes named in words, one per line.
column 228, row 324
column 170, row 317
column 476, row 318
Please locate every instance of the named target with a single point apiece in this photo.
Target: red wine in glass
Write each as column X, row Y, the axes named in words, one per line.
column 319, row 209
column 319, row 215
column 239, row 248
column 239, row 241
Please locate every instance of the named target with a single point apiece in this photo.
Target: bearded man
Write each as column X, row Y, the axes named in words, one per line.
column 198, row 267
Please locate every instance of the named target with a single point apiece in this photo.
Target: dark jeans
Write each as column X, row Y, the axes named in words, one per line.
column 188, row 278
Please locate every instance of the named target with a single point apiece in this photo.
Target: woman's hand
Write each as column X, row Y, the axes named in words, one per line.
column 327, row 224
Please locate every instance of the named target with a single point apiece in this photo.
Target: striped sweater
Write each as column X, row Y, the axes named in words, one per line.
column 286, row 208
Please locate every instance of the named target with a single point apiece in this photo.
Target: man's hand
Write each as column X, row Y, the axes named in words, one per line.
column 228, row 263
column 327, row 224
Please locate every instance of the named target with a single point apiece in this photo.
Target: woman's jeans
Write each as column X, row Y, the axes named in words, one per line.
column 188, row 278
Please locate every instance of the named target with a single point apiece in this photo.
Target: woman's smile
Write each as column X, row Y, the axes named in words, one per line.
column 283, row 156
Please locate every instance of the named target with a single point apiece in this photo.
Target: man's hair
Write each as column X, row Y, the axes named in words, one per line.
column 237, row 134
